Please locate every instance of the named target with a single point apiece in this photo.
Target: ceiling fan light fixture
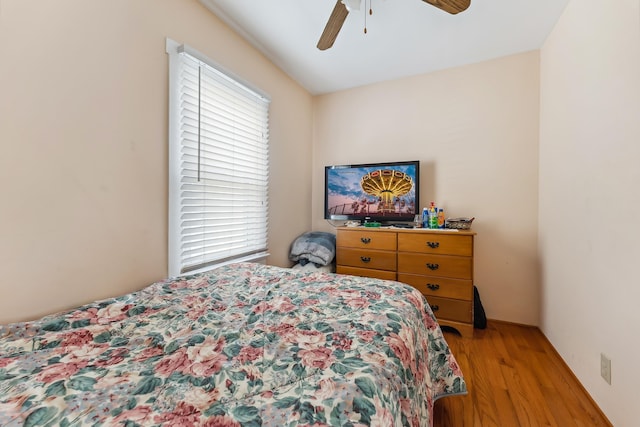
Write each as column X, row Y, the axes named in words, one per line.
column 343, row 7
column 352, row 4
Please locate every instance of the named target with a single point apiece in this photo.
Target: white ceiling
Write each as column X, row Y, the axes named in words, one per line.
column 404, row 37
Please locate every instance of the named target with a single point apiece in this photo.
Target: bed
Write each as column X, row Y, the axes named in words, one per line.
column 243, row 345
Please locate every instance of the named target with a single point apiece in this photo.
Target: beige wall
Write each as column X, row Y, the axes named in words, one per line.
column 83, row 134
column 589, row 198
column 475, row 131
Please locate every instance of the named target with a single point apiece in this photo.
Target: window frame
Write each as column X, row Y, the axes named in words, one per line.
column 175, row 231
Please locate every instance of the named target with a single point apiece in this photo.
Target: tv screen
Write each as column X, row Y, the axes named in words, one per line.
column 384, row 192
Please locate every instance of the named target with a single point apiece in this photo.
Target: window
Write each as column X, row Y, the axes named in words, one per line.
column 218, row 165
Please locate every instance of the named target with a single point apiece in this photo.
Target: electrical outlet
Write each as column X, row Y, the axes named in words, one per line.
column 605, row 367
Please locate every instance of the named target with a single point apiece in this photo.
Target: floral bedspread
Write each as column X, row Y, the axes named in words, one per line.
column 245, row 345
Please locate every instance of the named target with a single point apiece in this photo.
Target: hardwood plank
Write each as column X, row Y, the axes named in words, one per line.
column 515, row 378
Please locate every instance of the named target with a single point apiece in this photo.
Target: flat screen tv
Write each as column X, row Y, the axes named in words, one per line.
column 382, row 192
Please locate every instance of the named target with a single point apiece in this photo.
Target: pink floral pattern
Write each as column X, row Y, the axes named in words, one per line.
column 245, row 345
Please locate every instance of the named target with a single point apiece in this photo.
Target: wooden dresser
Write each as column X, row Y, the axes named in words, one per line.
column 437, row 263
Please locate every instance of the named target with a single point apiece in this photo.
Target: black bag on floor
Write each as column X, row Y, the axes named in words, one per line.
column 479, row 316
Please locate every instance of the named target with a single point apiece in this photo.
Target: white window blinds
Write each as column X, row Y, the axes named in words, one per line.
column 219, row 170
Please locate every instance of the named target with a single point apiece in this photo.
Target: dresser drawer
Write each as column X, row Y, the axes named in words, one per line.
column 365, row 239
column 451, row 309
column 439, row 286
column 457, row 267
column 445, row 244
column 378, row 260
column 366, row 272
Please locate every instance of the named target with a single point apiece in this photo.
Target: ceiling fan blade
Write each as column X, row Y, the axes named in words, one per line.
column 333, row 26
column 451, row 6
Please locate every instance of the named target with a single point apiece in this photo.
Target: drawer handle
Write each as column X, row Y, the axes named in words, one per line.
column 435, row 308
column 433, row 245
column 433, row 266
column 365, row 259
column 365, row 240
column 433, row 286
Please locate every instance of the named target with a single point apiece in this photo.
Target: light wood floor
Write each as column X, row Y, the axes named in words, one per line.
column 515, row 378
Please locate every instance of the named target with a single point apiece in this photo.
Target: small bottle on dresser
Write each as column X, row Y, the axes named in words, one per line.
column 440, row 218
column 425, row 218
column 433, row 216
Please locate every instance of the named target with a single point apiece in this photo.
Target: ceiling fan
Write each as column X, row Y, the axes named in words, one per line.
column 342, row 8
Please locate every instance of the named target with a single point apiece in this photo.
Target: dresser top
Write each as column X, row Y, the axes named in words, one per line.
column 411, row 230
